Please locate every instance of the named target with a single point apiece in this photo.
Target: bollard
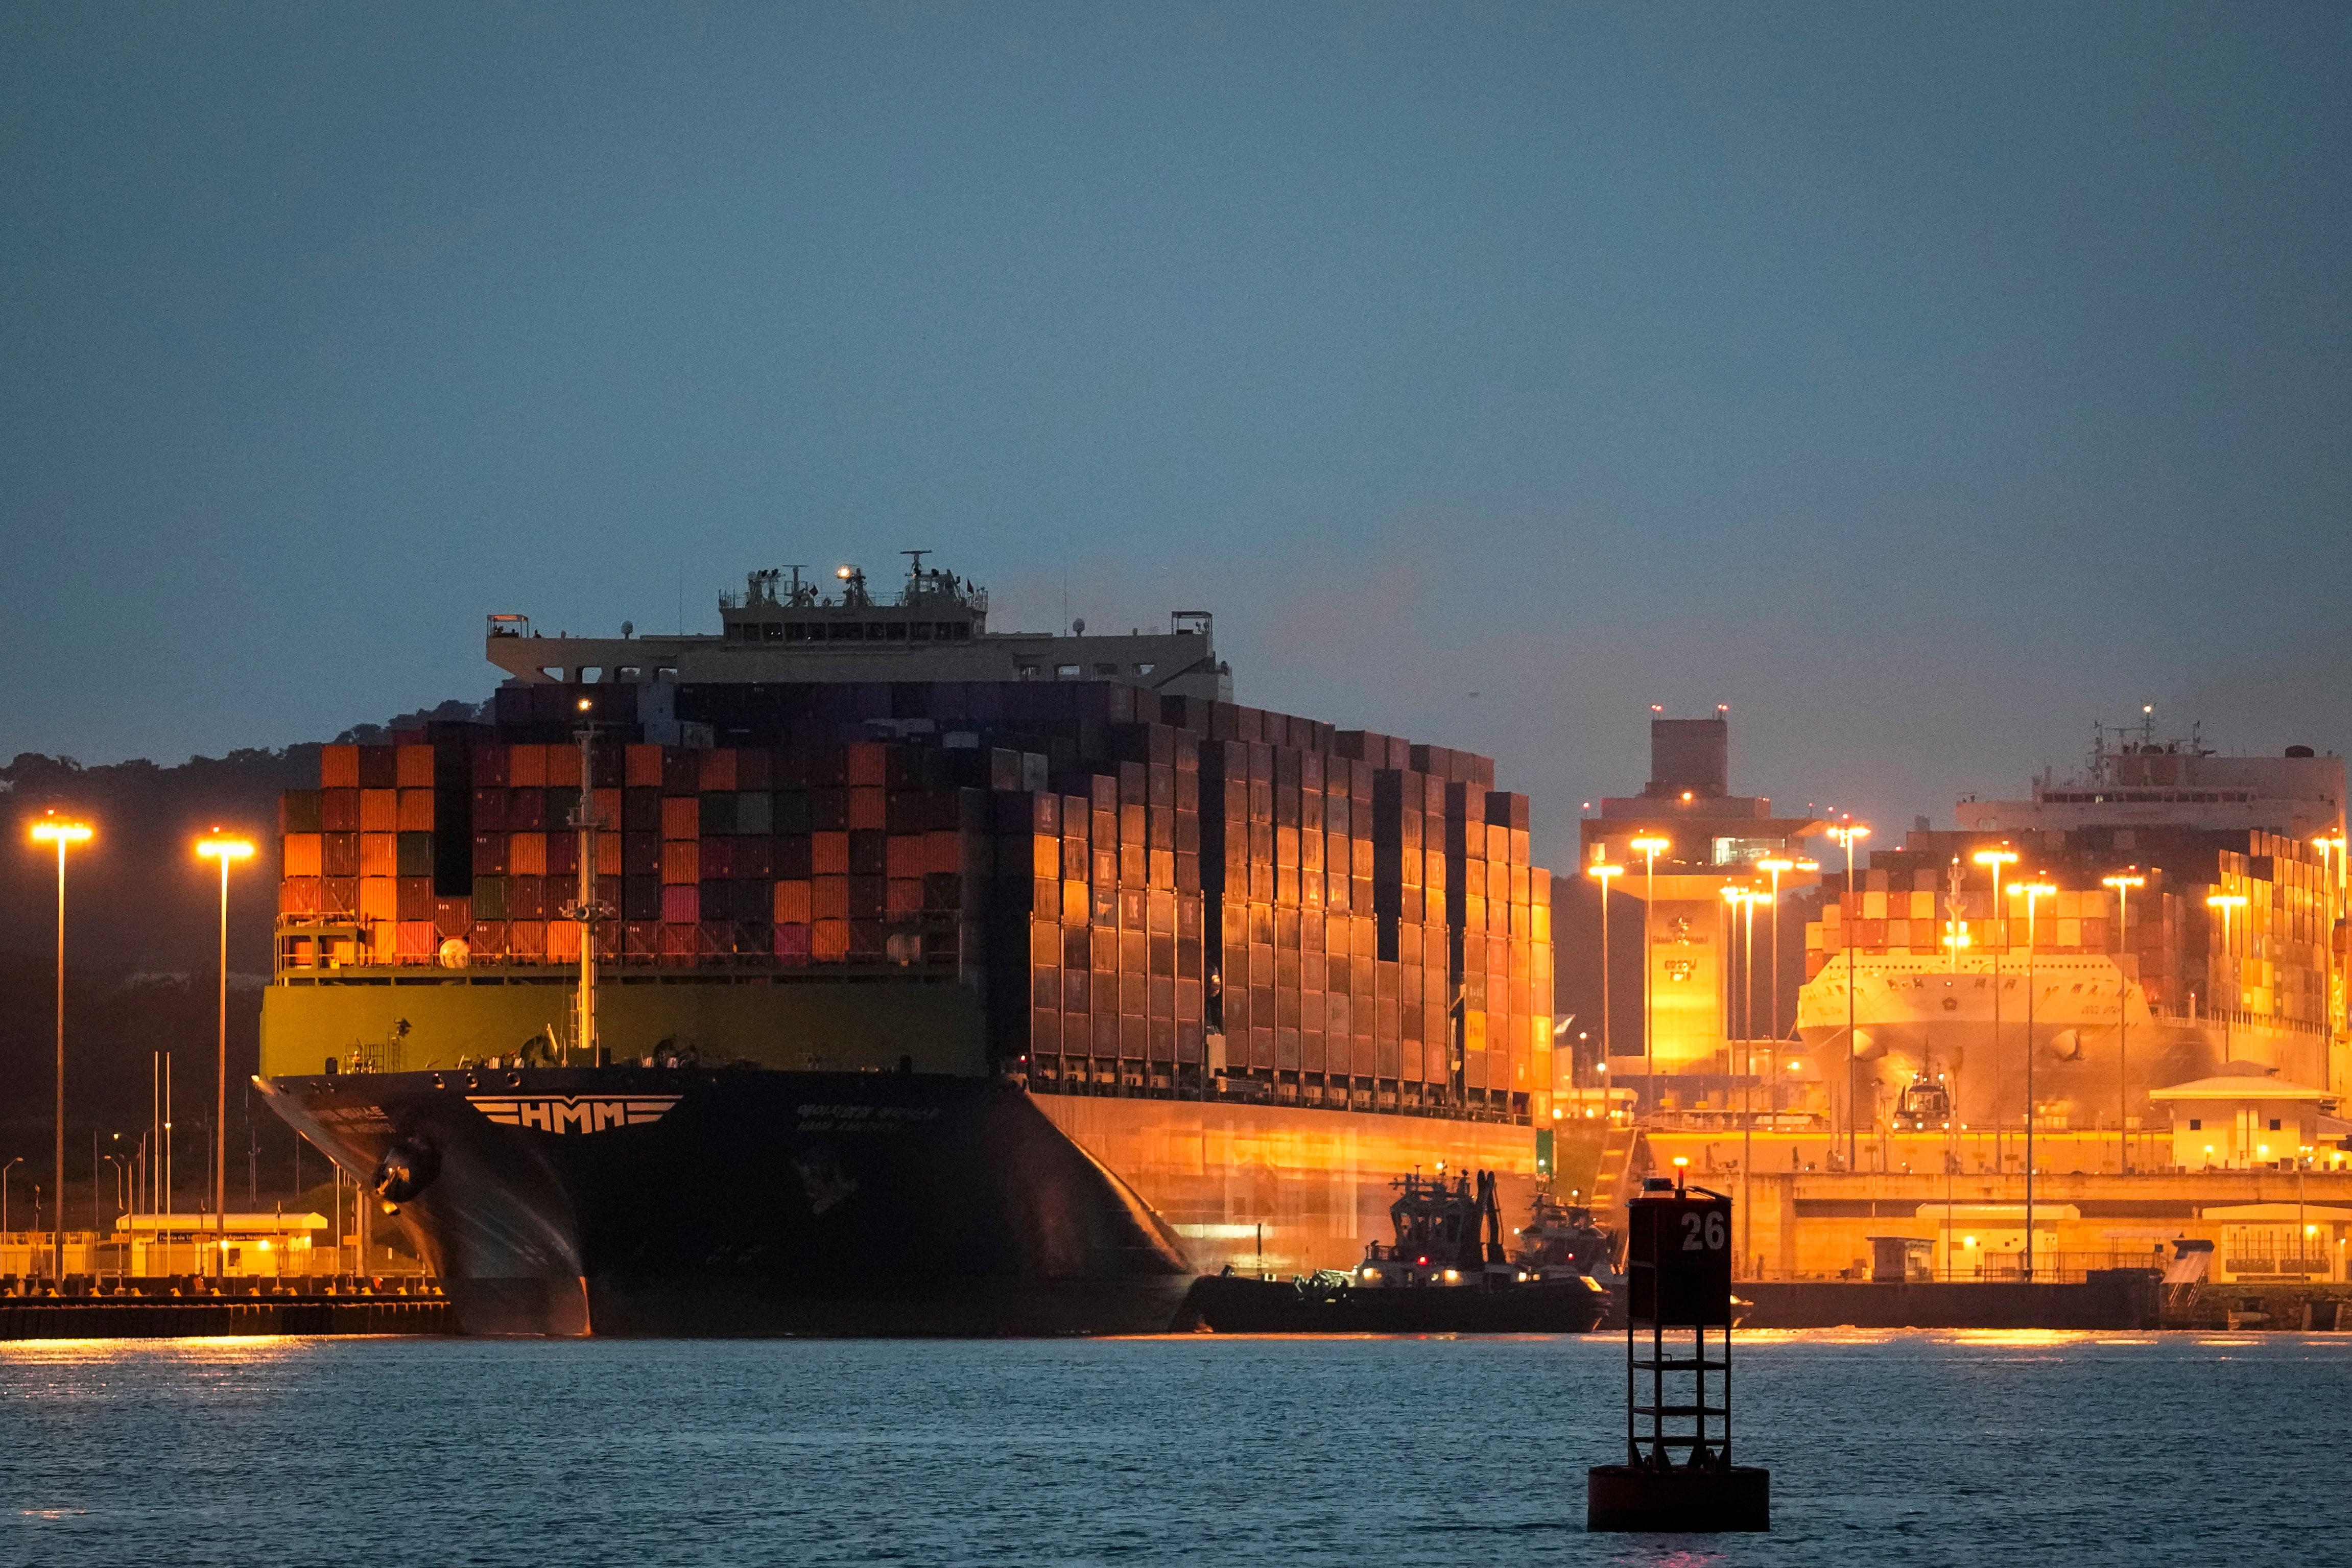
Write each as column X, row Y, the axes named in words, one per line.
column 1678, row 1475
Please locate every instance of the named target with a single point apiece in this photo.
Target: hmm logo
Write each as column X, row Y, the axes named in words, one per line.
column 573, row 1112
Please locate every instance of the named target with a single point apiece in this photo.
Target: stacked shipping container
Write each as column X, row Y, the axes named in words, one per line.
column 1150, row 891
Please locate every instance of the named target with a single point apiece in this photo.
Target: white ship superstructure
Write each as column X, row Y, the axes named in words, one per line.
column 2167, row 913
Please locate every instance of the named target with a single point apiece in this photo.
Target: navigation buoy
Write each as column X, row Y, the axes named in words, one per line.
column 1678, row 1475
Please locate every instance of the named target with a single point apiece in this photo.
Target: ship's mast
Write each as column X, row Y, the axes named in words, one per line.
column 586, row 911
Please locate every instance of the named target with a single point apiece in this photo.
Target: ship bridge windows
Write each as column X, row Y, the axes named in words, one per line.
column 1069, row 671
column 1146, row 667
column 1028, row 672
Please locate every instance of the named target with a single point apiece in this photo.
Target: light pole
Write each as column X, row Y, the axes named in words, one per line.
column 54, row 829
column 228, row 851
column 2123, row 883
column 4, row 1170
column 1747, row 904
column 1992, row 860
column 2228, row 903
column 1648, row 844
column 1848, row 835
column 1774, row 867
column 1601, row 872
column 2033, row 892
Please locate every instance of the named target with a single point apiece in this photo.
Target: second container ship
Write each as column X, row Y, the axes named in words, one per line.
column 858, row 968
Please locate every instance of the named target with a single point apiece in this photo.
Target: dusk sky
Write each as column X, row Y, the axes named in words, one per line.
column 1925, row 382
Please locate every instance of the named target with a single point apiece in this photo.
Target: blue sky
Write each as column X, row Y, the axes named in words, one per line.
column 1925, row 382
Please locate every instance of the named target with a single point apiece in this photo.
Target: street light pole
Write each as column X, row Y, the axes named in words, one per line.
column 2034, row 892
column 1601, row 872
column 53, row 830
column 1846, row 835
column 2123, row 884
column 4, row 1170
column 1992, row 860
column 227, row 851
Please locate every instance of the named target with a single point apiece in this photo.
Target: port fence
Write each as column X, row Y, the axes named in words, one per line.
column 2050, row 1269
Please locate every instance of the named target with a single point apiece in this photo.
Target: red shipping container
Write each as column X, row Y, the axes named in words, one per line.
column 298, row 896
column 339, row 810
column 681, row 817
column 681, row 905
column 339, row 767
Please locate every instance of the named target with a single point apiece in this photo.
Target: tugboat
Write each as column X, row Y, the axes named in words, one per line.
column 1447, row 1271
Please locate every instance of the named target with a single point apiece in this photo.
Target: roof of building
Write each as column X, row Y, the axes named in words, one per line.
column 2240, row 1087
column 2311, row 1213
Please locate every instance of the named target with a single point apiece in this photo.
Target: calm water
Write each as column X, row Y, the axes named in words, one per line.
column 1918, row 1447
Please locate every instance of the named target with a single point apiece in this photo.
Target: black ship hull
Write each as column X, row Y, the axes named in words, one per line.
column 744, row 1201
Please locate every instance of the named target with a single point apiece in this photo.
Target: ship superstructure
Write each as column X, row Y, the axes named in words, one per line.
column 1052, row 977
column 2191, row 922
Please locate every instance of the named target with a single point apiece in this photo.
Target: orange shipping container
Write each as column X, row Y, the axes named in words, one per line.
column 681, row 860
column 379, row 811
column 906, row 855
column 792, row 903
column 298, row 896
column 526, row 767
column 415, row 809
column 563, row 767
column 413, row 767
column 829, row 941
column 681, row 816
column 379, row 898
column 303, row 855
column 527, row 854
column 644, row 768
column 339, row 767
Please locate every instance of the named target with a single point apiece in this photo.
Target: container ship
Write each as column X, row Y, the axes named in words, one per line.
column 858, row 968
column 2192, row 927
